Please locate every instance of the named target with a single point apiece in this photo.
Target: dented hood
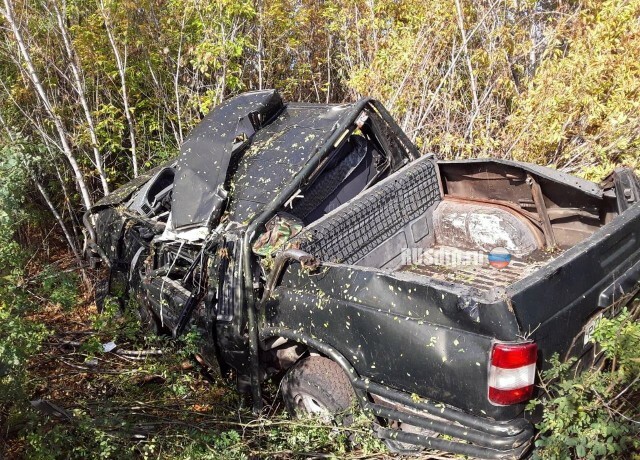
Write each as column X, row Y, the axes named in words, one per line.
column 201, row 170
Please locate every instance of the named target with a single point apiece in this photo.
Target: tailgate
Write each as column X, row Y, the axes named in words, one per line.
column 559, row 302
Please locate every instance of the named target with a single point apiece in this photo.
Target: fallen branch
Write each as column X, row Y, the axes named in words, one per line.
column 140, row 353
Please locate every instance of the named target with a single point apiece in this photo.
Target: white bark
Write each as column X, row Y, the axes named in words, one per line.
column 44, row 98
column 260, row 45
column 454, row 59
column 328, row 70
column 164, row 96
column 78, row 78
column 6, row 126
column 58, row 217
column 472, row 78
column 176, row 80
column 121, row 63
column 65, row 230
column 63, row 226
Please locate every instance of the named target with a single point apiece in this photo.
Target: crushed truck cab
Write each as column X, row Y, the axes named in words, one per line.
column 314, row 243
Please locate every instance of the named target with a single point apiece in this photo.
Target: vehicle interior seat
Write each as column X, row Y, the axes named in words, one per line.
column 351, row 169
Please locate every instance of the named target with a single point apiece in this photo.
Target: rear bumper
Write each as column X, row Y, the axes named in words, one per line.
column 473, row 436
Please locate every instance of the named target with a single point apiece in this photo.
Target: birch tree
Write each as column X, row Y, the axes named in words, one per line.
column 121, row 64
column 79, row 87
column 71, row 240
column 32, row 75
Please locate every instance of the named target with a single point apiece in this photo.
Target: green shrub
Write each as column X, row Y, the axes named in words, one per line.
column 21, row 293
column 595, row 414
column 19, row 337
column 581, row 109
column 80, row 439
column 59, row 288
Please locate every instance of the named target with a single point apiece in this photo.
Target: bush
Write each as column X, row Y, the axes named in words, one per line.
column 595, row 414
column 19, row 337
column 581, row 110
column 60, row 288
column 21, row 294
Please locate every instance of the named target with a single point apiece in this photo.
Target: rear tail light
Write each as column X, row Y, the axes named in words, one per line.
column 512, row 372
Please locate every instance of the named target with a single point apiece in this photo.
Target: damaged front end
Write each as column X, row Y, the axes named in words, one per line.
column 160, row 236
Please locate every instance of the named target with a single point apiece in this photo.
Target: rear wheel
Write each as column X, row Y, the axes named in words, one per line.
column 318, row 387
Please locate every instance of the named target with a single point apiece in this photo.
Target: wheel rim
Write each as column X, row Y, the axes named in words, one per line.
column 307, row 404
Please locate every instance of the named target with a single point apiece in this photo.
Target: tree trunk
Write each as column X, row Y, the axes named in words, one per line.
column 44, row 98
column 71, row 241
column 63, row 226
column 122, row 71
column 472, row 78
column 79, row 87
column 176, row 80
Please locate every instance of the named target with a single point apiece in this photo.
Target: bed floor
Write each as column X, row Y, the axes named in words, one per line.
column 473, row 268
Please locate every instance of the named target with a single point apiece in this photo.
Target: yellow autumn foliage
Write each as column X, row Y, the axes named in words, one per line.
column 581, row 111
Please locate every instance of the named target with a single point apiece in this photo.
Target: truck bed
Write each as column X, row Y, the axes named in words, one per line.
column 483, row 277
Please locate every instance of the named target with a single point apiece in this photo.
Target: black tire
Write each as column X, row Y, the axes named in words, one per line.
column 317, row 382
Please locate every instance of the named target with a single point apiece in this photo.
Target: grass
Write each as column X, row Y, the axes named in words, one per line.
column 81, row 402
column 162, row 405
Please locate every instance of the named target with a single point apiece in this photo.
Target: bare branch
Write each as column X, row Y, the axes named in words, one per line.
column 44, row 98
column 122, row 70
column 74, row 64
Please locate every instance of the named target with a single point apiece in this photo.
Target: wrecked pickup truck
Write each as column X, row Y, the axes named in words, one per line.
column 313, row 242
